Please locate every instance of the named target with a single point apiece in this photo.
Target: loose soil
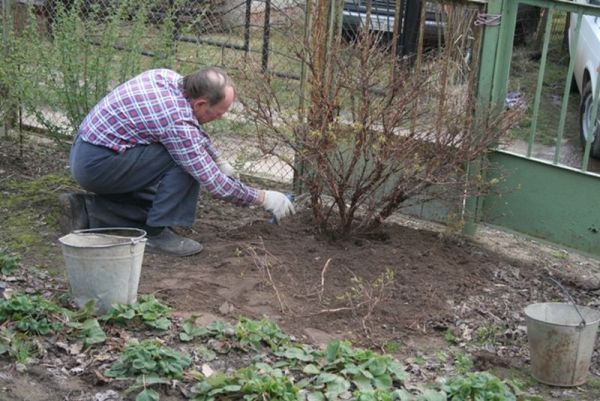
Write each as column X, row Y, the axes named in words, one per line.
column 412, row 289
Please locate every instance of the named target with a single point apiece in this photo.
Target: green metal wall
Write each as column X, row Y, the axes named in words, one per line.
column 549, row 202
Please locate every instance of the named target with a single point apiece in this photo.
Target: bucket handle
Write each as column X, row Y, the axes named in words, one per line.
column 583, row 323
column 134, row 240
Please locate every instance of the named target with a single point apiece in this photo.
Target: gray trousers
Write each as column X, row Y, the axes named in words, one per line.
column 141, row 188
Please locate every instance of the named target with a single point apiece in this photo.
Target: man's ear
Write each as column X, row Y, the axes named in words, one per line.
column 198, row 103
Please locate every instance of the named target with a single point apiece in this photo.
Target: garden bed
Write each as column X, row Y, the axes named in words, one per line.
column 431, row 299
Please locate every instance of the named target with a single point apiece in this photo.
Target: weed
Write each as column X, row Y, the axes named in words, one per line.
column 462, row 362
column 488, row 334
column 147, row 310
column 17, row 345
column 369, row 294
column 450, row 337
column 442, row 357
column 392, row 347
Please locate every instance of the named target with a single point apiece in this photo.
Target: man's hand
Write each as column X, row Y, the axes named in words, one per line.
column 278, row 204
column 227, row 169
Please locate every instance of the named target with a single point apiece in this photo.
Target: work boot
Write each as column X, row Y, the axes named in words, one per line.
column 74, row 212
column 172, row 244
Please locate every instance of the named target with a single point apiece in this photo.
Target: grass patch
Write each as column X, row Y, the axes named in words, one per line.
column 525, row 67
column 29, row 210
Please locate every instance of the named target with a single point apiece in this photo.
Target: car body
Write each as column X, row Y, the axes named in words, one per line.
column 586, row 70
column 382, row 20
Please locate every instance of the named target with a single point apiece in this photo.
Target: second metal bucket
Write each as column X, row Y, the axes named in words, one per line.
column 561, row 341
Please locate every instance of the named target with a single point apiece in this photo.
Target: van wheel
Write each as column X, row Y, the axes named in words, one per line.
column 585, row 122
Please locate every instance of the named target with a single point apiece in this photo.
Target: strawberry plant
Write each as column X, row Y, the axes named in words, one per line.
column 150, row 363
column 148, row 310
column 255, row 333
column 216, row 329
column 149, row 358
column 480, row 386
column 31, row 314
column 258, row 382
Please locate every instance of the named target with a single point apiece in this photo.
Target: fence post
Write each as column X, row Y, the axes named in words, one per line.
column 6, row 116
column 494, row 70
column 266, row 35
column 247, row 17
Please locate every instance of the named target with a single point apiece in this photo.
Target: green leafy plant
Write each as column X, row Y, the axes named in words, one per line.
column 17, row 345
column 463, row 362
column 149, row 358
column 255, row 333
column 148, row 310
column 150, row 363
column 488, row 334
column 216, row 329
column 258, row 382
column 89, row 331
column 9, row 264
column 480, row 386
column 450, row 337
column 363, row 368
column 31, row 314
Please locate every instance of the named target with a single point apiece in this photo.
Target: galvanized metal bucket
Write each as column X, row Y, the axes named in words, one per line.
column 104, row 264
column 561, row 341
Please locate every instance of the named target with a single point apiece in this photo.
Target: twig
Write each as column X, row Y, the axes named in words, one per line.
column 263, row 265
column 323, row 280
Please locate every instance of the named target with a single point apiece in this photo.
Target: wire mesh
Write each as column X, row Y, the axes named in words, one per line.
column 66, row 55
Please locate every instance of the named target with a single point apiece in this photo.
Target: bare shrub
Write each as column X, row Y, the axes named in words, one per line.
column 377, row 130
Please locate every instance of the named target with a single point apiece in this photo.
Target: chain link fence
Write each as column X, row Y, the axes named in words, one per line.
column 62, row 56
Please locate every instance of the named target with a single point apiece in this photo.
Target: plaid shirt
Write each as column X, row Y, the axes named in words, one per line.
column 150, row 108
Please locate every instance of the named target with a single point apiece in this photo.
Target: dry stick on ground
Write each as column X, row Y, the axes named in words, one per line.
column 263, row 264
column 323, row 280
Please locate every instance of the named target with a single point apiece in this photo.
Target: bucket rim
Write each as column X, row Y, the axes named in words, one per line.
column 139, row 237
column 587, row 322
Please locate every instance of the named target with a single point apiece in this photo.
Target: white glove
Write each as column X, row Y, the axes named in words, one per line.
column 227, row 169
column 278, row 204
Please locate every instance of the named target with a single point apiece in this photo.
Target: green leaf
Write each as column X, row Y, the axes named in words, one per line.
column 382, row 382
column 232, row 388
column 162, row 324
column 315, row 396
column 92, row 332
column 327, row 378
column 378, row 366
column 311, row 369
column 332, row 350
column 402, row 395
column 362, row 383
column 397, row 370
column 432, row 395
column 185, row 337
column 148, row 395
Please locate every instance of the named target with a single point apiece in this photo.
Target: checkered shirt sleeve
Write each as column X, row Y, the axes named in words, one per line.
column 150, row 108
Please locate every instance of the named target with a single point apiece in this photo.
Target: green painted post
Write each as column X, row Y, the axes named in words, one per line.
column 504, row 53
column 488, row 53
column 540, row 81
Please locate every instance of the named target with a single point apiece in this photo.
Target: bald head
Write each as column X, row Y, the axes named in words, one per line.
column 209, row 83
